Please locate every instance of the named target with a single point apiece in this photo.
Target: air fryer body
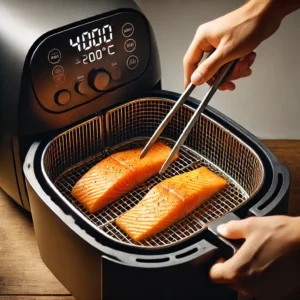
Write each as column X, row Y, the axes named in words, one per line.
column 48, row 81
column 47, row 87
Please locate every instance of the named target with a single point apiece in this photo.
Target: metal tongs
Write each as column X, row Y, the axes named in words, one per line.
column 220, row 76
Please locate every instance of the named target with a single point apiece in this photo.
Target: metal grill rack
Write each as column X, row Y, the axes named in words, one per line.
column 66, row 159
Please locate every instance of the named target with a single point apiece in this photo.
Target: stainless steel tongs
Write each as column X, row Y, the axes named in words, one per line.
column 221, row 75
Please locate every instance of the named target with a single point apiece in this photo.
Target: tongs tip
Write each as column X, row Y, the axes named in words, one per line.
column 145, row 150
column 142, row 155
column 162, row 171
column 167, row 163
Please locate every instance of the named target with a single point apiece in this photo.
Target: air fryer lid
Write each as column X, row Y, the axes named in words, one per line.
column 71, row 154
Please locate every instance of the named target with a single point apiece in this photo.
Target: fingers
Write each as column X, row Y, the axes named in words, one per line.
column 227, row 86
column 218, row 273
column 194, row 54
column 236, row 268
column 199, row 74
column 208, row 68
column 250, row 58
column 191, row 60
column 241, row 69
column 234, row 229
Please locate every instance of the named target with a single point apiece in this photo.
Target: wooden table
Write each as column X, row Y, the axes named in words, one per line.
column 23, row 275
column 22, row 272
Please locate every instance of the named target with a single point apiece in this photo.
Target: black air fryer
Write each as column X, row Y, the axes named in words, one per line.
column 80, row 81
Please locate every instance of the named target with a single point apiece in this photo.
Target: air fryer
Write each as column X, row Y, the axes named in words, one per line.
column 83, row 82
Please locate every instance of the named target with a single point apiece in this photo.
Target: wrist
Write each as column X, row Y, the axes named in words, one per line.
column 295, row 231
column 276, row 9
column 297, row 225
column 285, row 7
column 266, row 9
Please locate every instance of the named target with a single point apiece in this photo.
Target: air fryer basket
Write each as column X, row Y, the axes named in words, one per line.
column 71, row 154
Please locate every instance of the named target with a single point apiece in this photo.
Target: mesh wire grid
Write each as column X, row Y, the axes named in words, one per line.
column 70, row 155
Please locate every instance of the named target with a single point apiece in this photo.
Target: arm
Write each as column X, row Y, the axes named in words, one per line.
column 267, row 264
column 232, row 36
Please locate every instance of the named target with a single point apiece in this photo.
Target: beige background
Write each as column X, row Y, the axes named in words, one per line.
column 268, row 103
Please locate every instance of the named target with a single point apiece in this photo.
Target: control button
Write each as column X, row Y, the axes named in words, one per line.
column 130, row 45
column 57, row 71
column 127, row 30
column 82, row 87
column 116, row 73
column 54, row 56
column 99, row 80
column 62, row 97
column 59, row 79
column 132, row 62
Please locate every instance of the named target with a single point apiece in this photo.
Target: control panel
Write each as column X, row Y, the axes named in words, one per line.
column 79, row 64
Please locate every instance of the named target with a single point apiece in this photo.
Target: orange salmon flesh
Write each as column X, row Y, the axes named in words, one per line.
column 117, row 174
column 170, row 201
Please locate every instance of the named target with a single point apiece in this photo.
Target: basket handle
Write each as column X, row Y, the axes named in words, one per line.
column 227, row 247
column 275, row 200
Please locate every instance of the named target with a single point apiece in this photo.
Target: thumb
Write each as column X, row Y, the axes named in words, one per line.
column 233, row 229
column 208, row 68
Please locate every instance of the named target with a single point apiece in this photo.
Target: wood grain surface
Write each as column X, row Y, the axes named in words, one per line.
column 23, row 275
column 288, row 152
column 36, row 297
column 22, row 271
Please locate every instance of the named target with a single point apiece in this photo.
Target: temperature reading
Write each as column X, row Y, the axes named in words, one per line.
column 94, row 38
column 97, row 55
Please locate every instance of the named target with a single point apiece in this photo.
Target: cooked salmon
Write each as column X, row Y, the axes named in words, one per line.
column 169, row 201
column 118, row 174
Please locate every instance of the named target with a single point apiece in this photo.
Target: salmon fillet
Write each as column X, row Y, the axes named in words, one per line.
column 118, row 174
column 169, row 201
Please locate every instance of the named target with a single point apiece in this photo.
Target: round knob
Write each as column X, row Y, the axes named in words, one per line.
column 100, row 80
column 83, row 88
column 62, row 97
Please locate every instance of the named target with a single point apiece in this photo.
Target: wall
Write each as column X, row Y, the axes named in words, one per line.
column 268, row 102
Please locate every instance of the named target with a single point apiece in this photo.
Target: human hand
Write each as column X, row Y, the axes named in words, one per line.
column 267, row 266
column 232, row 36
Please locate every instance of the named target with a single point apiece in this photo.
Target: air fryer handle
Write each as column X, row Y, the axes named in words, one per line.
column 227, row 247
column 275, row 200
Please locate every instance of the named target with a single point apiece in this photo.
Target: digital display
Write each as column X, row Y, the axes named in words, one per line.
column 92, row 40
column 83, row 62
